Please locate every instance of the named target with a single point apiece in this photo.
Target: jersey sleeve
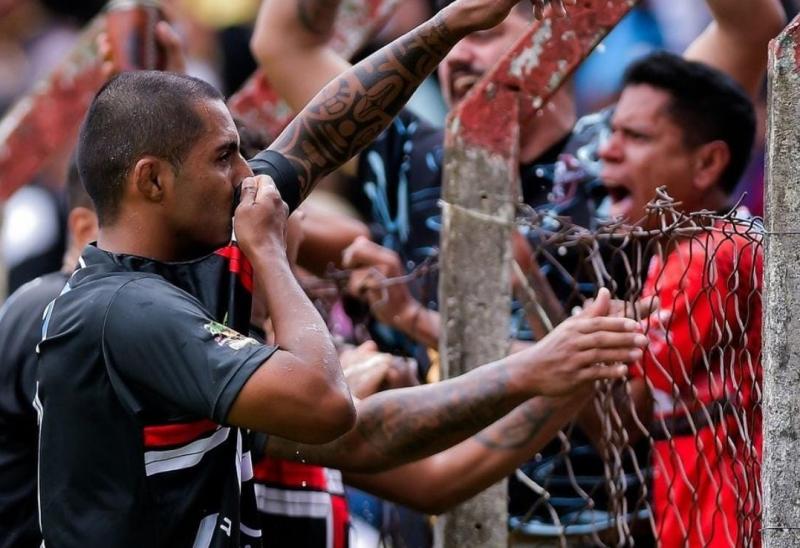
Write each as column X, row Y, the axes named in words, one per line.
column 160, row 344
column 275, row 165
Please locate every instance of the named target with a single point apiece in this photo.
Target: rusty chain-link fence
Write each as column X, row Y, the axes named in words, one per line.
column 671, row 456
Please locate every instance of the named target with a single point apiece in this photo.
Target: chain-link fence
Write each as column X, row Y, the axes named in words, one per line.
column 671, row 456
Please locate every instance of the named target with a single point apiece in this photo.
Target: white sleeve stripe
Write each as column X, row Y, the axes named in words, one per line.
column 157, row 462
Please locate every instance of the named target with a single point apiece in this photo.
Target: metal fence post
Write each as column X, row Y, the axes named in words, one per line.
column 781, row 352
column 479, row 191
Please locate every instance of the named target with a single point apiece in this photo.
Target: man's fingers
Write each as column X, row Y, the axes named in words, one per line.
column 606, row 323
column 609, row 355
column 355, row 255
column 647, row 306
column 368, row 346
column 169, row 40
column 249, row 190
column 363, row 252
column 600, row 306
column 603, row 372
column 604, row 339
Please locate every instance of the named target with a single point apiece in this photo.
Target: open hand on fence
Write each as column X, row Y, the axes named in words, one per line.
column 587, row 347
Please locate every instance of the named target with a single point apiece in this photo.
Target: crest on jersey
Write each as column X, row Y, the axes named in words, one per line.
column 225, row 336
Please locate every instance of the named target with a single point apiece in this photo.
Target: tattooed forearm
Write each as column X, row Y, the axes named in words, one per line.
column 411, row 423
column 518, row 428
column 317, row 16
column 352, row 110
column 399, row 426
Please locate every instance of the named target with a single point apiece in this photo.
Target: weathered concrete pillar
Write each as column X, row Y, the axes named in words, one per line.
column 479, row 192
column 781, row 351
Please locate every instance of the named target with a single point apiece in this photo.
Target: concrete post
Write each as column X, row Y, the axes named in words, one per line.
column 479, row 191
column 781, row 351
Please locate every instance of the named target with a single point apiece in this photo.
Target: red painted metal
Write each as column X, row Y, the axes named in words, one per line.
column 535, row 68
column 45, row 122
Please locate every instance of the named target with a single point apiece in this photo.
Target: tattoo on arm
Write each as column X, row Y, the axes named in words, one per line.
column 399, row 426
column 317, row 16
column 517, row 429
column 409, row 425
column 352, row 110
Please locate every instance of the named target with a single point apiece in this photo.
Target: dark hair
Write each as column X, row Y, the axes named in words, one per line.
column 136, row 114
column 76, row 193
column 707, row 104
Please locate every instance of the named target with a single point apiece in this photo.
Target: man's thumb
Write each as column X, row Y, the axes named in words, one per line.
column 601, row 305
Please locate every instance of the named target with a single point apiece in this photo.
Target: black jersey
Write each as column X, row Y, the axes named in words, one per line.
column 20, row 331
column 136, row 379
column 137, row 374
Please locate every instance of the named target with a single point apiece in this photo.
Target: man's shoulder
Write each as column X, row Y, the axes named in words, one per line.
column 89, row 298
column 144, row 289
column 32, row 298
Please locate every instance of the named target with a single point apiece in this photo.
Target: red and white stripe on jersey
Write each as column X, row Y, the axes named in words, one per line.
column 173, row 447
column 296, row 490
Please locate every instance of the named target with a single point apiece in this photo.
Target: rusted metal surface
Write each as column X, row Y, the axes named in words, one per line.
column 45, row 122
column 781, row 469
column 536, row 67
column 259, row 106
column 481, row 180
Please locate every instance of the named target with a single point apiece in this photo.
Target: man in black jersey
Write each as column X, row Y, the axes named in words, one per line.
column 138, row 386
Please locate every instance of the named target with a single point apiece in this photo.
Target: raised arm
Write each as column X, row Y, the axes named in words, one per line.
column 355, row 107
column 399, row 426
column 294, row 33
column 736, row 40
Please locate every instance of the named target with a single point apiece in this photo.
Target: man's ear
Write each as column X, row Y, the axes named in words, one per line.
column 82, row 225
column 710, row 162
column 151, row 176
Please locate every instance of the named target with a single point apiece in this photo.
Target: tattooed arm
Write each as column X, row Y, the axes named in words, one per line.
column 399, row 426
column 354, row 108
column 435, row 484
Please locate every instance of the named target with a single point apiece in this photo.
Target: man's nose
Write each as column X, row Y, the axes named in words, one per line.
column 610, row 149
column 242, row 170
column 463, row 53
